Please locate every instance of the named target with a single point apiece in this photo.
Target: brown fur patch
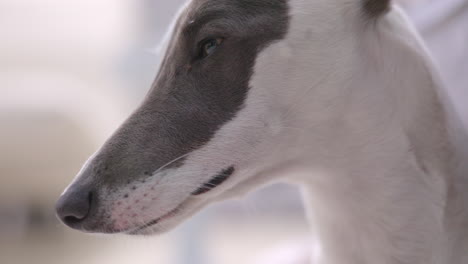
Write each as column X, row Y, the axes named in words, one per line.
column 375, row 8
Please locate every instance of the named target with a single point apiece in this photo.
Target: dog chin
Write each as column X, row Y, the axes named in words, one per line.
column 167, row 224
column 150, row 231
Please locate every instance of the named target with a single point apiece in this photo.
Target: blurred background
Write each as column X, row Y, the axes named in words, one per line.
column 72, row 70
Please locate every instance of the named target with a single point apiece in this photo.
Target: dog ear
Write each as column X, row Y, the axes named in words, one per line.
column 376, row 8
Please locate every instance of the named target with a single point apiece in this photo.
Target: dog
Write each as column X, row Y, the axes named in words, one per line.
column 339, row 96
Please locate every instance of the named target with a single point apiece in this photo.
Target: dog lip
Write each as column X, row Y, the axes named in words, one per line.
column 215, row 181
column 155, row 221
column 211, row 184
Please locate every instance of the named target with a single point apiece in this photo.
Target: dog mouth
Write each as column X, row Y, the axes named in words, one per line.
column 171, row 214
column 214, row 182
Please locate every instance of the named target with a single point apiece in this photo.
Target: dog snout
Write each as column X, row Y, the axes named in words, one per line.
column 74, row 206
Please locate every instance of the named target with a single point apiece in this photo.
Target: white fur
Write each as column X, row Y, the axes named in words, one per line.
column 348, row 107
column 362, row 114
column 356, row 118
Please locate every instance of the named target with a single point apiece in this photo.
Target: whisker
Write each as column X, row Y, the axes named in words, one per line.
column 170, row 162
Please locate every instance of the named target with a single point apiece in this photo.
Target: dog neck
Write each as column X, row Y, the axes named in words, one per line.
column 378, row 167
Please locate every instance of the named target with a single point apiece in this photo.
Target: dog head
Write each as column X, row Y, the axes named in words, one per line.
column 216, row 118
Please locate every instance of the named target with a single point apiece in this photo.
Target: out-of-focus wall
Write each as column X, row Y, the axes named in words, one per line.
column 62, row 92
column 59, row 94
column 57, row 33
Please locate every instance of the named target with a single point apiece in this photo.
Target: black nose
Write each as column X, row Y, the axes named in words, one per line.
column 74, row 206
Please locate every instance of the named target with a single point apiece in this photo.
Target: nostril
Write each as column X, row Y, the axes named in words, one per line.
column 90, row 199
column 74, row 207
column 71, row 220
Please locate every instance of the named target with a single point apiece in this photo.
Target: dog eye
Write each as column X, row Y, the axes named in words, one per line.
column 209, row 46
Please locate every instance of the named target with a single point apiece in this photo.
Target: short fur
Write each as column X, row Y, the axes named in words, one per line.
column 304, row 91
